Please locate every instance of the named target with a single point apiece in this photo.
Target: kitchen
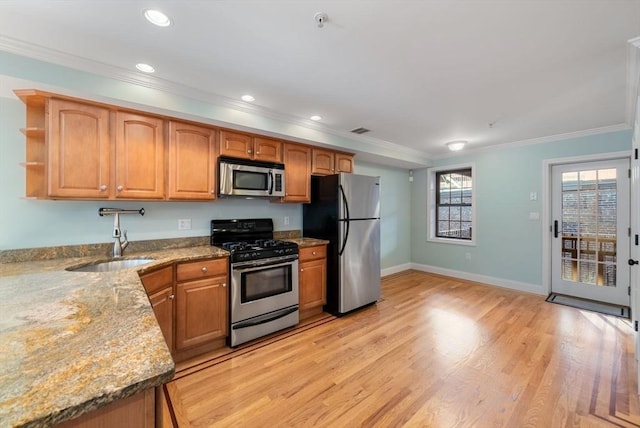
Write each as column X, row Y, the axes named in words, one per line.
column 51, row 223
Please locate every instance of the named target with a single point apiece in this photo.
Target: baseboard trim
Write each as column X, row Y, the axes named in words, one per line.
column 395, row 269
column 498, row 282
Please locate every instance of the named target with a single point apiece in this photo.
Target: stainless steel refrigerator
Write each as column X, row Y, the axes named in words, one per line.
column 345, row 210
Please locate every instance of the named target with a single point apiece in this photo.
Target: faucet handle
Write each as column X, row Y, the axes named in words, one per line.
column 124, row 232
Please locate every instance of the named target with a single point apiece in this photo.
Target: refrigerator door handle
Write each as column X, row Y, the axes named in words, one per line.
column 346, row 220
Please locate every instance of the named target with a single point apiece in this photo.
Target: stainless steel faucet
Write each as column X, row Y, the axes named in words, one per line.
column 118, row 245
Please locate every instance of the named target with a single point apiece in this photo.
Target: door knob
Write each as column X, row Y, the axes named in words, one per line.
column 632, row 262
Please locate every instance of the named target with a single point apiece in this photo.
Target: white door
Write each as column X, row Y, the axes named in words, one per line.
column 590, row 243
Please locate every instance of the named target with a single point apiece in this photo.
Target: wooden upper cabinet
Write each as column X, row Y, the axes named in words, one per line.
column 79, row 150
column 344, row 162
column 192, row 162
column 236, row 145
column 322, row 162
column 327, row 162
column 297, row 172
column 266, row 149
column 245, row 146
column 139, row 168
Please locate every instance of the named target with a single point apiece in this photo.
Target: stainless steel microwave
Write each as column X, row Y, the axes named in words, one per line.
column 240, row 177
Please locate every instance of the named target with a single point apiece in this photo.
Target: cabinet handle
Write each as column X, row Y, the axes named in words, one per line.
column 119, row 188
column 103, row 187
column 172, row 296
column 204, row 269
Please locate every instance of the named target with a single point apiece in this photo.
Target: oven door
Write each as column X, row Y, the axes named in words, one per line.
column 262, row 286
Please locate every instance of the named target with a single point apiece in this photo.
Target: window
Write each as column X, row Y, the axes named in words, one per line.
column 451, row 204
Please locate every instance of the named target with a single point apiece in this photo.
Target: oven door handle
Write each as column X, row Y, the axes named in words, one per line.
column 258, row 266
column 265, row 318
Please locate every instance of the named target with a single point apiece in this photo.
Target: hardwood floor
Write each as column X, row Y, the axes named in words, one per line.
column 434, row 352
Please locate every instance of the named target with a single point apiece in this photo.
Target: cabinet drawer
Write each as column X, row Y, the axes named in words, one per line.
column 201, row 269
column 157, row 280
column 311, row 253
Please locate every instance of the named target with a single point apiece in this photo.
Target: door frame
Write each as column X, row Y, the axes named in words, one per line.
column 547, row 226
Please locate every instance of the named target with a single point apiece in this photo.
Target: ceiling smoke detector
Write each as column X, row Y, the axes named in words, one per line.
column 320, row 19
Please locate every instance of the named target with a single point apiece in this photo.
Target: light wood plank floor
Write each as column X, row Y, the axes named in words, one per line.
column 435, row 352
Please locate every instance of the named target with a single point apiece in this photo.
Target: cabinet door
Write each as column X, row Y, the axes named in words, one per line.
column 322, row 162
column 192, row 162
column 139, row 156
column 162, row 304
column 201, row 311
column 312, row 282
column 267, row 150
column 79, row 150
column 344, row 162
column 236, row 145
column 297, row 170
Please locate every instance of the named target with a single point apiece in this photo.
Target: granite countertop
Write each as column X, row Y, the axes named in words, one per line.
column 71, row 342
column 307, row 242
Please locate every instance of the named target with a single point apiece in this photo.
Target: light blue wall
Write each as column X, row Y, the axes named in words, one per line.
column 508, row 244
column 395, row 200
column 39, row 223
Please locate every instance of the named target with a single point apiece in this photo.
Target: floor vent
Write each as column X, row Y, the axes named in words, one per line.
column 360, row 130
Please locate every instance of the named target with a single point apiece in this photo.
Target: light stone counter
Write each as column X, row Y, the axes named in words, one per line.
column 307, row 242
column 71, row 342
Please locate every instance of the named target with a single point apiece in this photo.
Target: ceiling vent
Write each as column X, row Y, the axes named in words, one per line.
column 360, row 130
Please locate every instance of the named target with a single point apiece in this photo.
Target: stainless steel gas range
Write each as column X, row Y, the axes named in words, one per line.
column 264, row 278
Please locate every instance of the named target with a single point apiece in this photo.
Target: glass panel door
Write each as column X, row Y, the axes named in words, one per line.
column 590, row 247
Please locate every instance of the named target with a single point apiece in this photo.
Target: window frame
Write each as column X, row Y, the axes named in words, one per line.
column 432, row 185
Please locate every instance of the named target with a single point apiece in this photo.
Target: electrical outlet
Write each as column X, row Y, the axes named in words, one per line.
column 286, row 220
column 184, row 224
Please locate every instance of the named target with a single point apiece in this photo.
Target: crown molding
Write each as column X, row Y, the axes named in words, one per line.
column 540, row 140
column 57, row 57
column 633, row 73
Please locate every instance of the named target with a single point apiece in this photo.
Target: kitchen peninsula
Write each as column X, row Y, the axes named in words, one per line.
column 73, row 342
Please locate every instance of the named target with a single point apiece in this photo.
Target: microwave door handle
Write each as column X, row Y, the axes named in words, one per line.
column 271, row 182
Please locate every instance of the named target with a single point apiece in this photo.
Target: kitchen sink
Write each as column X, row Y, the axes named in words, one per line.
column 110, row 265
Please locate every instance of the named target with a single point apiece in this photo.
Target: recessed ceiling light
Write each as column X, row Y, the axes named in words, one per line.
column 316, row 117
column 145, row 68
column 157, row 18
column 248, row 98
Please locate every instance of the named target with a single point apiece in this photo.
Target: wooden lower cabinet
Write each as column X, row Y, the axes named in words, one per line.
column 312, row 280
column 137, row 411
column 201, row 311
column 201, row 302
column 192, row 309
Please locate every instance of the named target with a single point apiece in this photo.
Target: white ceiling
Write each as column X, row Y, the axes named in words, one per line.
column 417, row 73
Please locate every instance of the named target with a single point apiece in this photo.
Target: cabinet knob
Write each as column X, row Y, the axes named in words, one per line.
column 301, row 270
column 204, row 269
column 172, row 296
column 213, row 191
column 119, row 188
column 249, row 151
column 224, row 284
column 313, row 252
column 258, row 152
column 103, row 187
